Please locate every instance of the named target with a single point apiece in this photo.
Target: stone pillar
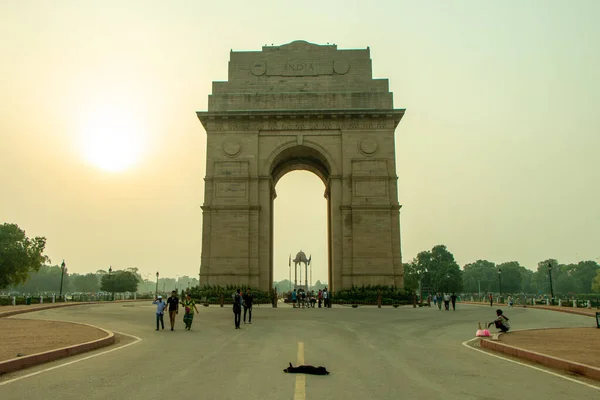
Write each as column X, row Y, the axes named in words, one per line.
column 53, row 298
column 335, row 221
column 574, row 303
column 14, row 300
column 560, row 302
column 41, row 299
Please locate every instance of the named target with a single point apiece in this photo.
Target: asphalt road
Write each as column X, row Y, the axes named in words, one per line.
column 372, row 353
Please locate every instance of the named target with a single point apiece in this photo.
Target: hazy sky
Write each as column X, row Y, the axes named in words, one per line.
column 497, row 154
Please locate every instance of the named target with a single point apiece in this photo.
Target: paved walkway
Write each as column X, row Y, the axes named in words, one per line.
column 372, row 354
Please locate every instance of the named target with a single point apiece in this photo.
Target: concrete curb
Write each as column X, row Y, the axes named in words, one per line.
column 10, row 313
column 19, row 363
column 28, row 310
column 539, row 358
column 567, row 310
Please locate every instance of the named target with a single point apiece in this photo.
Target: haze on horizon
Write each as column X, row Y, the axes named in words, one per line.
column 101, row 151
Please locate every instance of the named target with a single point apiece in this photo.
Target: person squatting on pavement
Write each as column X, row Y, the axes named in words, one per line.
column 188, row 317
column 173, row 303
column 501, row 322
column 160, row 309
column 248, row 299
column 237, row 308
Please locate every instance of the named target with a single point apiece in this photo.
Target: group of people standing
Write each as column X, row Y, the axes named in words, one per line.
column 447, row 299
column 172, row 304
column 301, row 299
column 242, row 300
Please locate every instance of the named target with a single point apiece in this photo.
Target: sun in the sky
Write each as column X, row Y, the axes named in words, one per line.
column 111, row 138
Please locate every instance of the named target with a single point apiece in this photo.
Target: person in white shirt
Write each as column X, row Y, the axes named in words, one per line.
column 447, row 301
column 160, row 311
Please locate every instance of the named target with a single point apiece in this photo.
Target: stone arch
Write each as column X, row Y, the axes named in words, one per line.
column 301, row 106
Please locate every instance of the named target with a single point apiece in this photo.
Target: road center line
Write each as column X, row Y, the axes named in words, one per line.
column 465, row 343
column 137, row 340
column 300, row 389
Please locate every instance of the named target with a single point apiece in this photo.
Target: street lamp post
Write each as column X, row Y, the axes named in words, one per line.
column 551, row 289
column 111, row 284
column 62, row 273
column 156, row 291
column 500, row 280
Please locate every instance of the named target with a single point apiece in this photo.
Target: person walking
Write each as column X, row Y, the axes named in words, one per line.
column 453, row 300
column 237, row 308
column 173, row 303
column 491, row 300
column 294, row 298
column 325, row 298
column 320, row 297
column 439, row 301
column 189, row 306
column 248, row 299
column 447, row 301
column 160, row 310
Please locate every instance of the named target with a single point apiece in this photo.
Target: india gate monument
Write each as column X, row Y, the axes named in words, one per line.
column 301, row 106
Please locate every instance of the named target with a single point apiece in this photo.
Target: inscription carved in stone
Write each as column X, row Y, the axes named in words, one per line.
column 231, row 169
column 230, row 189
column 287, row 124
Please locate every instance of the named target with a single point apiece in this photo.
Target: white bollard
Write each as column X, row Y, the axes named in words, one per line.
column 41, row 299
column 14, row 300
column 547, row 302
column 53, row 298
column 135, row 296
column 574, row 303
column 560, row 302
column 589, row 304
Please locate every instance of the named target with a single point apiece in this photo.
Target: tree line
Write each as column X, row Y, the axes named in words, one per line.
column 25, row 269
column 436, row 270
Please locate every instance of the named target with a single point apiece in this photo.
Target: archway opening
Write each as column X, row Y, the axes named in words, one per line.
column 300, row 224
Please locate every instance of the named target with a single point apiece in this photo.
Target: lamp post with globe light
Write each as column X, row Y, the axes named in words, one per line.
column 112, row 292
column 156, row 291
column 62, row 273
column 500, row 280
column 551, row 289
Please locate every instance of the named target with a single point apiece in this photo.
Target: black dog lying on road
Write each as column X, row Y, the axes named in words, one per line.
column 306, row 369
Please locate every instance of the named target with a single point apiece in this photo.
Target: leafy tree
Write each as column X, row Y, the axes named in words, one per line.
column 596, row 282
column 19, row 255
column 84, row 283
column 119, row 282
column 46, row 279
column 437, row 269
column 584, row 274
column 411, row 276
column 479, row 276
column 512, row 277
column 541, row 276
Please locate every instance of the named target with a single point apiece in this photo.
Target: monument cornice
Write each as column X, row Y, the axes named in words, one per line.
column 300, row 119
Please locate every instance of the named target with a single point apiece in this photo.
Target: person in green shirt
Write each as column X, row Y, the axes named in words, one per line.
column 189, row 306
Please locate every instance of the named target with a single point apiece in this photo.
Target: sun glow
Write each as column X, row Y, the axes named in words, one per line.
column 111, row 139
